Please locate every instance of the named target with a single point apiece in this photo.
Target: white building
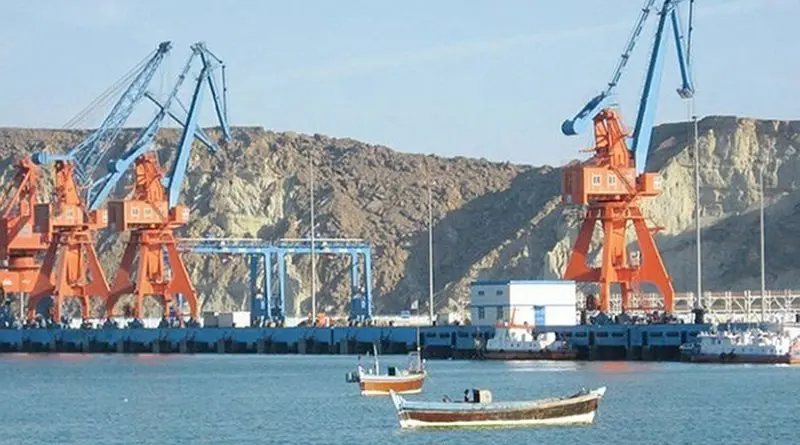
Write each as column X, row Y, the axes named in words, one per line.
column 537, row 302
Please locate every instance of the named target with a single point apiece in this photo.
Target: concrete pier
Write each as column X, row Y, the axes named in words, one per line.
column 596, row 342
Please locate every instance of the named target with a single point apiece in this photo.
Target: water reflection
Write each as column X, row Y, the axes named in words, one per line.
column 41, row 356
column 541, row 366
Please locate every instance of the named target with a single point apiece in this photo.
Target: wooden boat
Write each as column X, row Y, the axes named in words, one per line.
column 576, row 409
column 373, row 382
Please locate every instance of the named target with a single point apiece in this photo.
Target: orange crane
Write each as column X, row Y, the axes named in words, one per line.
column 152, row 214
column 71, row 230
column 71, row 268
column 613, row 181
column 151, row 223
column 20, row 245
column 608, row 184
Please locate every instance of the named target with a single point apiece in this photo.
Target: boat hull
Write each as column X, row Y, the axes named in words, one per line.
column 744, row 358
column 381, row 385
column 530, row 355
column 578, row 419
column 572, row 411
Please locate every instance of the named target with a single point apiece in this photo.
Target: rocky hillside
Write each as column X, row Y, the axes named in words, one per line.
column 491, row 220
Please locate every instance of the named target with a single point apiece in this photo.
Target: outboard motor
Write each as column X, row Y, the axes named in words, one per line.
column 351, row 377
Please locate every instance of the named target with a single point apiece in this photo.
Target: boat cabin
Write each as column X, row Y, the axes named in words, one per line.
column 480, row 396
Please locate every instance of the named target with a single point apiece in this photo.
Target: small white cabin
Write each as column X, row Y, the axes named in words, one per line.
column 537, row 302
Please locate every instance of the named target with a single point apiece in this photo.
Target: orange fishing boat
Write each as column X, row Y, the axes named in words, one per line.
column 373, row 382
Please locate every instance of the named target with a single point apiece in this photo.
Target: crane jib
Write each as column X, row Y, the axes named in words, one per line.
column 647, row 104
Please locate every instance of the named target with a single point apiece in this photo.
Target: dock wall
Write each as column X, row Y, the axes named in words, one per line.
column 608, row 342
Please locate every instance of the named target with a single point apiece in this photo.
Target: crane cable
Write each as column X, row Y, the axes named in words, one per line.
column 106, row 96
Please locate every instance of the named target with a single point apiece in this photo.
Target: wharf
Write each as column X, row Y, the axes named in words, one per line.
column 595, row 342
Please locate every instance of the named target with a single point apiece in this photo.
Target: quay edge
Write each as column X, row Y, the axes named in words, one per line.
column 652, row 342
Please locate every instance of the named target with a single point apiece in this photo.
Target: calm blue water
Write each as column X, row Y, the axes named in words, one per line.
column 211, row 399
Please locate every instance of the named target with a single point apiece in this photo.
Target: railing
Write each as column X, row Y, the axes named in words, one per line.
column 743, row 305
column 255, row 242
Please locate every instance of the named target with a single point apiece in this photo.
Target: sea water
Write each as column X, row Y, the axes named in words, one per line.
column 304, row 399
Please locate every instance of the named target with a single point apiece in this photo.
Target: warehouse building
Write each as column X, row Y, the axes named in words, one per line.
column 537, row 302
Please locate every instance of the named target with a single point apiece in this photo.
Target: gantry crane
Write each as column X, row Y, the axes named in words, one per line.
column 613, row 181
column 71, row 267
column 20, row 245
column 153, row 213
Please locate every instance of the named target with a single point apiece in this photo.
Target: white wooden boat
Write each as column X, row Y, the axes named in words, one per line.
column 576, row 409
column 373, row 382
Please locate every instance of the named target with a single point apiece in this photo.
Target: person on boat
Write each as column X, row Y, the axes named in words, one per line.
column 466, row 396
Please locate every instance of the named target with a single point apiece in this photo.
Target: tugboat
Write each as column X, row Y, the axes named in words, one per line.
column 751, row 346
column 518, row 342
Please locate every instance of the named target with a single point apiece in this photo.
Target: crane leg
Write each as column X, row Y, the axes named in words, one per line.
column 614, row 266
column 123, row 284
column 151, row 277
column 652, row 269
column 577, row 268
column 96, row 285
column 75, row 273
column 45, row 280
column 181, row 283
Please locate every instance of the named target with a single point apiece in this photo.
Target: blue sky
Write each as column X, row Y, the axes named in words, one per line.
column 452, row 77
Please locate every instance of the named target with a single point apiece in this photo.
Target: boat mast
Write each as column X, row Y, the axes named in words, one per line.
column 419, row 352
column 375, row 351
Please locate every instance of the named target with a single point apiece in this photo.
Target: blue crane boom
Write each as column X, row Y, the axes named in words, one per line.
column 178, row 172
column 87, row 155
column 643, row 130
column 100, row 190
column 200, row 133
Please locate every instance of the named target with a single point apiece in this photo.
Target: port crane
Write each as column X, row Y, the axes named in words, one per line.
column 153, row 212
column 614, row 180
column 71, row 267
column 20, row 245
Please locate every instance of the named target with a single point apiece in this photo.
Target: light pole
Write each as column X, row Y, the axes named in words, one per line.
column 313, row 256
column 761, row 233
column 430, row 248
column 698, row 261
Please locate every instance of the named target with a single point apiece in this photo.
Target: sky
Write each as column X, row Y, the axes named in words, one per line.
column 451, row 77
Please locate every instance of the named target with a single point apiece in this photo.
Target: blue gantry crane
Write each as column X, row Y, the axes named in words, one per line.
column 267, row 305
column 643, row 130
